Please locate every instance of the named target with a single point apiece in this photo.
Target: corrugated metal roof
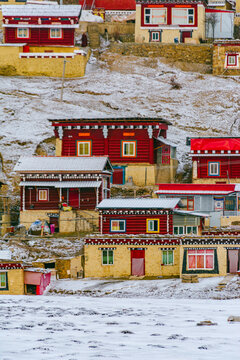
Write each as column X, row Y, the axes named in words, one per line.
column 193, row 213
column 166, row 141
column 41, row 10
column 220, row 143
column 138, row 203
column 62, row 184
column 61, row 164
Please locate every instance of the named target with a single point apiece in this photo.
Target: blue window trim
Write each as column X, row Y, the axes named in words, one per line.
column 119, row 231
column 214, row 162
column 119, row 167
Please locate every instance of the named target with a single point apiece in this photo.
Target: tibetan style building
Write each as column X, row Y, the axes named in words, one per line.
column 51, row 185
column 40, row 25
column 215, row 160
column 170, row 21
column 138, row 148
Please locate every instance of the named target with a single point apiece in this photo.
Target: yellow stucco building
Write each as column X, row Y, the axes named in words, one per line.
column 170, row 22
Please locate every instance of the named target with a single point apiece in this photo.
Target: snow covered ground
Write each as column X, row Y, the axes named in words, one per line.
column 118, row 86
column 74, row 328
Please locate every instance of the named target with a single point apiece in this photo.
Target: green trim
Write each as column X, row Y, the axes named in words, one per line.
column 6, row 287
column 184, row 265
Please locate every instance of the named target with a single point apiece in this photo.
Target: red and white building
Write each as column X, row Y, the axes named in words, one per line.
column 215, row 160
column 40, row 25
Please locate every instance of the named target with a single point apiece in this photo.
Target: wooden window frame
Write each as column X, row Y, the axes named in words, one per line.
column 209, row 168
column 167, row 251
column 5, row 287
column 188, row 16
column 190, row 198
column 108, row 257
column 150, row 231
column 129, row 142
column 23, row 37
column 235, row 56
column 89, row 142
column 47, row 192
column 55, row 37
column 151, row 16
column 159, row 36
column 118, row 231
column 200, row 254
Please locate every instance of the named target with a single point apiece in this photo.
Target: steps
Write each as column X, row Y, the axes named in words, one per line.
column 224, row 282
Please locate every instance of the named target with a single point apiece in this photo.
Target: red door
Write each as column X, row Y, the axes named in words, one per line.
column 233, row 261
column 117, row 177
column 138, row 262
column 74, row 198
column 186, row 34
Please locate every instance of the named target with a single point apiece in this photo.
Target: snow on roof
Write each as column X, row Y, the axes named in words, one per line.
column 87, row 15
column 138, row 203
column 41, row 10
column 198, row 189
column 112, row 120
column 220, row 143
column 68, row 163
column 166, row 141
column 5, row 254
column 38, row 270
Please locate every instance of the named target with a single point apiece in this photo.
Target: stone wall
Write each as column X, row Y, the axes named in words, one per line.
column 190, row 53
column 219, row 55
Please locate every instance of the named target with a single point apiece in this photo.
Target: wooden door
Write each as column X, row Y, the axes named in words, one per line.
column 233, row 261
column 74, row 198
column 117, row 177
column 138, row 262
column 186, row 34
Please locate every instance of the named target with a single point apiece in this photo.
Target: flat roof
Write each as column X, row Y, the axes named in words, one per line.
column 196, row 189
column 104, row 120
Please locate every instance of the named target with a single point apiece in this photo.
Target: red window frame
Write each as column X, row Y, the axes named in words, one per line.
column 236, row 60
column 190, row 199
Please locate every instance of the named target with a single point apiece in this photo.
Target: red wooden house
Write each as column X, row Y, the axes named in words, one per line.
column 215, row 159
column 137, row 147
column 146, row 216
column 51, row 184
column 40, row 25
column 47, row 182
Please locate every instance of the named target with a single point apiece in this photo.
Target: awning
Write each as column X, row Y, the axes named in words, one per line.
column 63, row 184
column 191, row 213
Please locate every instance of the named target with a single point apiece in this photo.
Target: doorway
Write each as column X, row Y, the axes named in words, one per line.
column 185, row 34
column 233, row 260
column 74, row 198
column 137, row 262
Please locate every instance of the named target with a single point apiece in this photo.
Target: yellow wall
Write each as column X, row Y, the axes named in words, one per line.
column 122, row 262
column 237, row 6
column 168, row 35
column 27, row 217
column 228, row 220
column 15, row 282
column 214, row 181
column 58, row 146
column 11, row 64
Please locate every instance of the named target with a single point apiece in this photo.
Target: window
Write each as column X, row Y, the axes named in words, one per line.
column 230, row 203
column 187, row 203
column 22, row 33
column 3, row 280
column 213, row 169
column 182, row 230
column 129, row 148
column 105, row 188
column 84, row 148
column 155, row 36
column 155, row 16
column 167, row 257
column 232, row 60
column 201, row 259
column 182, row 16
column 152, row 225
column 118, row 225
column 55, row 33
column 43, row 195
column 107, row 257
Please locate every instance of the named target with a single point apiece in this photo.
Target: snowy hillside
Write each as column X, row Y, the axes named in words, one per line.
column 118, row 86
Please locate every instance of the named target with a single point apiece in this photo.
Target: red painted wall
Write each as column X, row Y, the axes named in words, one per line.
column 110, row 146
column 39, row 37
column 136, row 224
column 229, row 166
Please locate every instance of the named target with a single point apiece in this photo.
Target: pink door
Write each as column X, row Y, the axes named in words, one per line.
column 233, row 261
column 138, row 262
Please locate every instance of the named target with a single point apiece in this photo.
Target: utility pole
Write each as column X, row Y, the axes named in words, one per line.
column 63, row 78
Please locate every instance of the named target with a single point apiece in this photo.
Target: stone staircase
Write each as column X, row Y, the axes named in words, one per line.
column 224, row 282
